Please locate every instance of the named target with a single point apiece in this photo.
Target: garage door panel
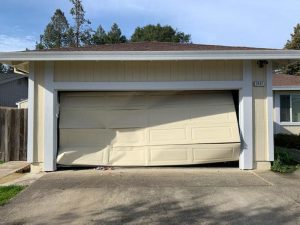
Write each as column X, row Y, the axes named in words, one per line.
column 126, row 119
column 83, row 156
column 147, row 128
column 86, row 137
column 92, row 118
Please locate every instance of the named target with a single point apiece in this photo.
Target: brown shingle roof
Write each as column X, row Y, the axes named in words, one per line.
column 286, row 80
column 153, row 46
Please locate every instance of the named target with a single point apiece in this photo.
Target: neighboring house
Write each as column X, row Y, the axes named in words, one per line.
column 23, row 104
column 286, row 90
column 147, row 104
column 13, row 88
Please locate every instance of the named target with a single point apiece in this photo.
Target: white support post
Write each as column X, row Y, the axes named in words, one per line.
column 50, row 120
column 30, row 127
column 246, row 118
column 270, row 112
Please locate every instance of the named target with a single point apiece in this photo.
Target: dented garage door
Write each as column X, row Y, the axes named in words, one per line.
column 147, row 128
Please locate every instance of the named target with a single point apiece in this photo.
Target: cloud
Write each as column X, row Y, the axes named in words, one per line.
column 13, row 43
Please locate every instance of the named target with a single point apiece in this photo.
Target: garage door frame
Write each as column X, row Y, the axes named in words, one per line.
column 51, row 108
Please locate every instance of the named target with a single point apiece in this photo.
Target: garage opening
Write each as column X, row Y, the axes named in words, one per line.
column 147, row 128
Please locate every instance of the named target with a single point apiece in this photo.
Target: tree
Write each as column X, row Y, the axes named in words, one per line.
column 159, row 33
column 115, row 35
column 100, row 36
column 82, row 34
column 6, row 68
column 294, row 67
column 55, row 32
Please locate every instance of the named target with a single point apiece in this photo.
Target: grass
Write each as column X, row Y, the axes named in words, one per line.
column 8, row 192
column 283, row 162
column 1, row 162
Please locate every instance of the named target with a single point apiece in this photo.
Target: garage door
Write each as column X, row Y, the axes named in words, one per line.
column 147, row 128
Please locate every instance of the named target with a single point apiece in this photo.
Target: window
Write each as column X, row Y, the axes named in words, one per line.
column 289, row 108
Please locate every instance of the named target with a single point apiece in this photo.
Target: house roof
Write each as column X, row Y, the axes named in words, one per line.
column 159, row 51
column 7, row 77
column 153, row 46
column 286, row 82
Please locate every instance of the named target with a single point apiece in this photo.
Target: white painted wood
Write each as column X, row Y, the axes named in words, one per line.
column 145, row 86
column 246, row 118
column 50, row 131
column 270, row 112
column 286, row 88
column 277, row 112
column 149, row 55
column 30, row 127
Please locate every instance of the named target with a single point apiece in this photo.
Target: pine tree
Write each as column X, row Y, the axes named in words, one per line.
column 115, row 35
column 55, row 32
column 294, row 67
column 100, row 36
column 82, row 34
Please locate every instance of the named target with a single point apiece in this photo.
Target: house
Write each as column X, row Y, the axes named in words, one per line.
column 147, row 104
column 286, row 90
column 13, row 88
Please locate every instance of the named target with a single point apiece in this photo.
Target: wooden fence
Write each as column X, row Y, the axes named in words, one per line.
column 13, row 134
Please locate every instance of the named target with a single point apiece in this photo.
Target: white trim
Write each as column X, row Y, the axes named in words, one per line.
column 30, row 126
column 149, row 55
column 145, row 86
column 245, row 118
column 270, row 129
column 277, row 113
column 286, row 88
column 290, row 123
column 50, row 131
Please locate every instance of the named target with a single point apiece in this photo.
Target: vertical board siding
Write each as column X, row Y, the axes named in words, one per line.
column 13, row 91
column 38, row 155
column 112, row 71
column 13, row 134
column 260, row 122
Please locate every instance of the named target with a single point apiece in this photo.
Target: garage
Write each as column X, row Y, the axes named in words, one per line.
column 147, row 128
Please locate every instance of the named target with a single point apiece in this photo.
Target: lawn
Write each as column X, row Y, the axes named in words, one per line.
column 8, row 192
column 1, row 162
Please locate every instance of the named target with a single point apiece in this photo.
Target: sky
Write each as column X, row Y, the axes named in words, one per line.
column 253, row 23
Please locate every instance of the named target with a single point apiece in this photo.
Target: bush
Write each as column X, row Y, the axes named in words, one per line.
column 287, row 140
column 283, row 162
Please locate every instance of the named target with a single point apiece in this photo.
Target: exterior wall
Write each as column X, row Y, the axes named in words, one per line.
column 38, row 154
column 13, row 91
column 154, row 71
column 283, row 128
column 148, row 71
column 260, row 116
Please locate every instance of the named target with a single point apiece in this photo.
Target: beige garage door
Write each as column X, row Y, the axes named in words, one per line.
column 147, row 128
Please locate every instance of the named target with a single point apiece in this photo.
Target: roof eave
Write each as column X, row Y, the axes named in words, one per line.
column 150, row 55
column 286, row 88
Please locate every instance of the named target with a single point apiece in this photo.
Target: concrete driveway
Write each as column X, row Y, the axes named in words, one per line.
column 158, row 196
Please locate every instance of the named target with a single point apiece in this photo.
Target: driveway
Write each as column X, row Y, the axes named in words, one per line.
column 158, row 196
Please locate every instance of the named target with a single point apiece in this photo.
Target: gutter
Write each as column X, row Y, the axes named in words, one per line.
column 150, row 55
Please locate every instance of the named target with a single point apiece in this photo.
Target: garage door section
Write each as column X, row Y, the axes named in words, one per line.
column 147, row 128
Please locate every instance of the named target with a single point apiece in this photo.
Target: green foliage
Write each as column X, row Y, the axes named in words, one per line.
column 115, row 35
column 1, row 162
column 81, row 29
column 8, row 192
column 283, row 162
column 287, row 140
column 55, row 33
column 293, row 43
column 100, row 36
column 159, row 33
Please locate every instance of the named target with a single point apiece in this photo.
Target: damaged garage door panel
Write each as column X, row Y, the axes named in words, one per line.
column 147, row 128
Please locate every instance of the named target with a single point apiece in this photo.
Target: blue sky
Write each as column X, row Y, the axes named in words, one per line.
column 256, row 23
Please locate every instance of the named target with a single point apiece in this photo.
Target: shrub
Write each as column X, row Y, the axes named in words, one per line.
column 283, row 162
column 287, row 140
